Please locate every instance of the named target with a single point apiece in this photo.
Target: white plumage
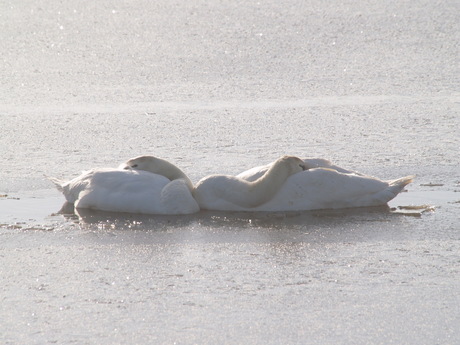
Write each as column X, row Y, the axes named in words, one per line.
column 128, row 190
column 322, row 186
column 151, row 185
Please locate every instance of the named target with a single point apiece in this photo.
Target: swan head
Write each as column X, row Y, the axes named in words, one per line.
column 147, row 163
column 292, row 163
column 156, row 166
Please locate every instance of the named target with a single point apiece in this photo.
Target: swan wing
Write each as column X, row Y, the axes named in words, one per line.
column 72, row 189
column 313, row 163
column 123, row 191
column 136, row 191
column 322, row 188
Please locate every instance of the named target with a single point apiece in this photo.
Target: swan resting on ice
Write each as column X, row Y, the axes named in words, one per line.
column 151, row 185
column 321, row 185
column 162, row 189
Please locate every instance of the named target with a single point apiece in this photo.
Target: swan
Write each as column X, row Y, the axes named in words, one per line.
column 321, row 185
column 233, row 193
column 144, row 184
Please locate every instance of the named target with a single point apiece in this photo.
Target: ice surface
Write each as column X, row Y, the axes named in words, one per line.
column 220, row 87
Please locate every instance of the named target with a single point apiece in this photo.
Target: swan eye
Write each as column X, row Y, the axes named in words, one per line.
column 134, row 166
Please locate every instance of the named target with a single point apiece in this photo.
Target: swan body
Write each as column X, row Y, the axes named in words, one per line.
column 224, row 192
column 167, row 191
column 321, row 186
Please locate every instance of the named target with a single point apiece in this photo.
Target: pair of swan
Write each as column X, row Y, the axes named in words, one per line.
column 152, row 185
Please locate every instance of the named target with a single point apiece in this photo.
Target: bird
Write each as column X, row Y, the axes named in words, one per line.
column 318, row 185
column 144, row 184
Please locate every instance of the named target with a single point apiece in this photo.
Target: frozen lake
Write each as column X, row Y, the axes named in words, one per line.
column 221, row 87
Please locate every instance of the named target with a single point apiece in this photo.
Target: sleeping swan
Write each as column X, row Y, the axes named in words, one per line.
column 232, row 193
column 162, row 189
column 321, row 186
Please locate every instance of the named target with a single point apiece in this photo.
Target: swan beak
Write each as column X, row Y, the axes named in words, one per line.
column 304, row 167
column 124, row 166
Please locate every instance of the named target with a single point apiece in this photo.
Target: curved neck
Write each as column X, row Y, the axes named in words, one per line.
column 172, row 172
column 265, row 187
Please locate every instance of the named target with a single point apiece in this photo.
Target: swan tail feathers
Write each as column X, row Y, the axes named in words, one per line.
column 403, row 181
column 58, row 183
column 70, row 191
column 396, row 186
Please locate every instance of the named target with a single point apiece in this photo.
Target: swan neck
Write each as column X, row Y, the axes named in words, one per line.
column 266, row 186
column 172, row 172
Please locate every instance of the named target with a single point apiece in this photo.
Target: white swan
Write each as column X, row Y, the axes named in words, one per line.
column 321, row 186
column 162, row 189
column 229, row 193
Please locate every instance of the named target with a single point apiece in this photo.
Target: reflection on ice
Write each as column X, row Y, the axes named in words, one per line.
column 219, row 219
column 222, row 219
column 24, row 212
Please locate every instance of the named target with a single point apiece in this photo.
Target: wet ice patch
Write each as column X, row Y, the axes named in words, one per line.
column 414, row 211
column 32, row 210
